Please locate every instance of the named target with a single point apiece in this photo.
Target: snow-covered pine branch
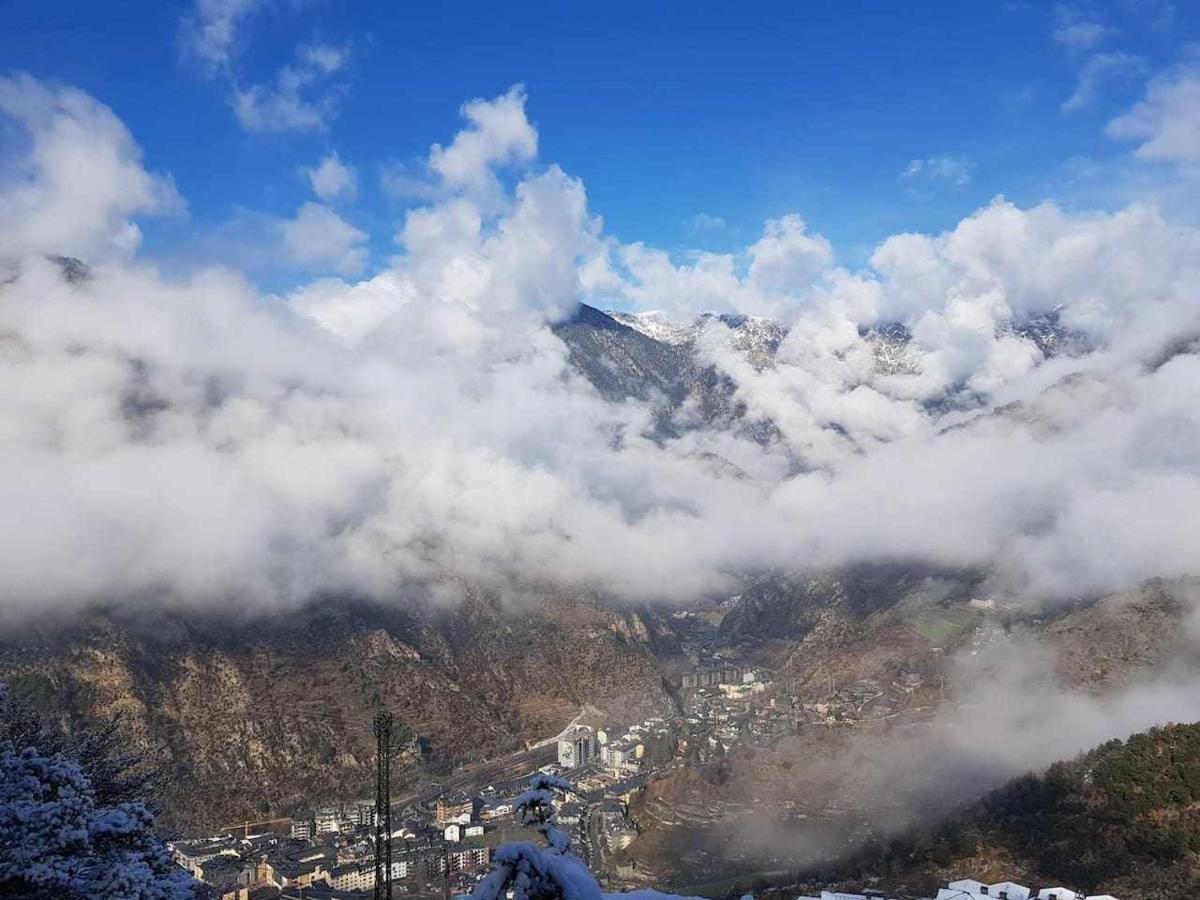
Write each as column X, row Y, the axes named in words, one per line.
column 59, row 839
column 526, row 871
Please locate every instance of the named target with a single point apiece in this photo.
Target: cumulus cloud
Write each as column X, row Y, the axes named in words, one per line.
column 499, row 134
column 498, row 137
column 198, row 440
column 318, row 236
column 766, row 279
column 80, row 184
column 1099, row 68
column 209, row 34
column 332, row 179
column 302, row 96
column 787, row 257
column 1167, row 120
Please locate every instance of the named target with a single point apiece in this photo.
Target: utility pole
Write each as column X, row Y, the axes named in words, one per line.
column 383, row 806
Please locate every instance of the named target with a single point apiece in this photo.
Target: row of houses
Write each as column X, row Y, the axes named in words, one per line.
column 237, row 867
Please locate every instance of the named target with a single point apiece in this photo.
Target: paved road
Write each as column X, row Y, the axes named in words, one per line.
column 593, row 841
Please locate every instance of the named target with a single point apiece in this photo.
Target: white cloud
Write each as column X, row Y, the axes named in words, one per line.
column 210, row 33
column 319, row 237
column 1167, row 120
column 322, row 57
column 1075, row 29
column 499, row 135
column 786, row 259
column 352, row 312
column 193, row 438
column 951, row 170
column 332, row 179
column 766, row 279
column 1097, row 69
column 301, row 97
column 702, row 221
column 405, row 181
column 82, row 183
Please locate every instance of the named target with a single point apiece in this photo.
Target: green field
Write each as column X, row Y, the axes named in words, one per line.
column 942, row 626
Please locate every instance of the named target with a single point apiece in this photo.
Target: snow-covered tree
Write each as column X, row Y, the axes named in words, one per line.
column 58, row 839
column 550, row 872
column 117, row 772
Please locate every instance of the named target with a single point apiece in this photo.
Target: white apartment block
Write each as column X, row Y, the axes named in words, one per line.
column 970, row 889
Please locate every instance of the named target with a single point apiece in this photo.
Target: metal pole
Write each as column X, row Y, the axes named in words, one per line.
column 383, row 806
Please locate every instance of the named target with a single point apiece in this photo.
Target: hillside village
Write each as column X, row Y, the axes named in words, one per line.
column 444, row 839
column 444, row 842
column 446, row 831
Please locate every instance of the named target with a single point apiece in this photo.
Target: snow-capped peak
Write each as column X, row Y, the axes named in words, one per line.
column 656, row 325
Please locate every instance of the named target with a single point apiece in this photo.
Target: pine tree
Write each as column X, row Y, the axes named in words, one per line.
column 71, row 831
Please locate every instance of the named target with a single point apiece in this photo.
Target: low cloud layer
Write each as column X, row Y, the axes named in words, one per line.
column 1008, row 711
column 199, row 440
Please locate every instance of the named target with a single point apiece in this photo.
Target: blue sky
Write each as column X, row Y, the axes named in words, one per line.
column 689, row 124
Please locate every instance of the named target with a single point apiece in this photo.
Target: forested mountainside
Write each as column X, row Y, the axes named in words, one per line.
column 1123, row 819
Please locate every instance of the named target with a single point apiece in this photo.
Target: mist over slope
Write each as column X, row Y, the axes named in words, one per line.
column 1118, row 819
column 179, row 435
column 999, row 695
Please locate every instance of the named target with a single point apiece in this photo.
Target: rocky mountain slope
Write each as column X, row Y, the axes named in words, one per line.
column 651, row 358
column 625, row 362
column 250, row 717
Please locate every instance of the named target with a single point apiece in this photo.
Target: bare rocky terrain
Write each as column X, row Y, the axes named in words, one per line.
column 251, row 717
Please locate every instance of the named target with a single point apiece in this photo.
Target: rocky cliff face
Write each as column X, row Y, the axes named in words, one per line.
column 628, row 356
column 253, row 716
